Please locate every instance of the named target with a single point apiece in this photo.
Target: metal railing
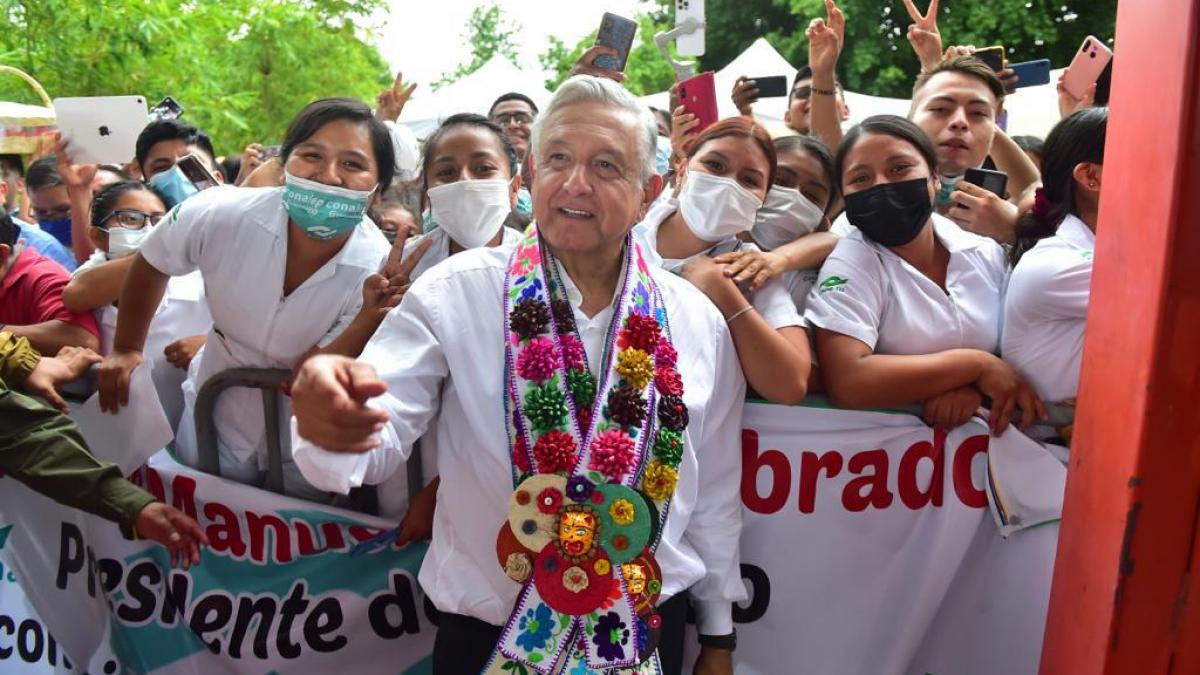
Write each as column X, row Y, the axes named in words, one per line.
column 266, row 379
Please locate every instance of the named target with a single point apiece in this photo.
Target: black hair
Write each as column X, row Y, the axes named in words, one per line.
column 323, row 111
column 464, row 119
column 964, row 65
column 9, row 230
column 12, row 163
column 230, row 167
column 513, row 96
column 887, row 125
column 1104, row 84
column 43, row 174
column 106, row 200
column 1029, row 143
column 171, row 130
column 817, row 150
column 1077, row 139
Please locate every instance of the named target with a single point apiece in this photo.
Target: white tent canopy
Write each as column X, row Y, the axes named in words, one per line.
column 473, row 93
column 1032, row 110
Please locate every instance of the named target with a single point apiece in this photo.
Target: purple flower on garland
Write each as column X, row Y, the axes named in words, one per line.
column 673, row 413
column 572, row 352
column 538, row 360
column 626, row 406
column 579, row 488
column 611, row 637
column 641, row 297
column 529, row 317
column 612, row 454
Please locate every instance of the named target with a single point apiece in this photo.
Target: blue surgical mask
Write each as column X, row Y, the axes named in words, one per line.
column 525, row 203
column 662, row 155
column 428, row 224
column 59, row 228
column 173, row 186
column 323, row 211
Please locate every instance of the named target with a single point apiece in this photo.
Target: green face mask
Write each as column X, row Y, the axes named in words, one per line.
column 323, row 211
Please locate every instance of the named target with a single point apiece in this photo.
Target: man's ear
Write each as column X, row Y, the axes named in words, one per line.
column 514, row 187
column 650, row 192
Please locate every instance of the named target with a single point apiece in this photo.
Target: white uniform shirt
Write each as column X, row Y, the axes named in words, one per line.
column 237, row 238
column 1045, row 309
column 441, row 354
column 183, row 312
column 771, row 300
column 440, row 250
column 871, row 294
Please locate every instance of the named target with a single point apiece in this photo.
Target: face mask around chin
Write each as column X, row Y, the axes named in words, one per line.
column 785, row 216
column 716, row 208
column 323, row 211
column 173, row 186
column 949, row 183
column 891, row 214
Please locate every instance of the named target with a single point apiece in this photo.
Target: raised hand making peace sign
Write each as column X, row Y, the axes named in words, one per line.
column 923, row 34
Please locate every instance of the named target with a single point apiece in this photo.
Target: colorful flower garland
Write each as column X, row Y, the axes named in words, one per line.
column 579, row 536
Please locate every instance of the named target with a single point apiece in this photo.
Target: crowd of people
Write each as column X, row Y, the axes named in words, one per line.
column 485, row 292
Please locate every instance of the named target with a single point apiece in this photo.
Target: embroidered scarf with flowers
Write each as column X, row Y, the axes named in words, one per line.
column 595, row 464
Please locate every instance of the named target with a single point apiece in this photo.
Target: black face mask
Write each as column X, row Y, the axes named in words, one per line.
column 891, row 214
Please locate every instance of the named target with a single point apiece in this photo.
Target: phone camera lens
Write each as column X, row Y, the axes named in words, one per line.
column 1087, row 44
column 1092, row 55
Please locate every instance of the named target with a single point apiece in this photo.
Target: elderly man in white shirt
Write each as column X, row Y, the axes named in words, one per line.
column 448, row 360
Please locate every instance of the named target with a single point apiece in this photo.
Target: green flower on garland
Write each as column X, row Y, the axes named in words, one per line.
column 583, row 388
column 668, row 447
column 546, row 407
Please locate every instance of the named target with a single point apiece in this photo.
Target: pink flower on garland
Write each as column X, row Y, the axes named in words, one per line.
column 537, row 362
column 668, row 381
column 555, row 452
column 572, row 352
column 612, row 454
column 641, row 332
column 665, row 354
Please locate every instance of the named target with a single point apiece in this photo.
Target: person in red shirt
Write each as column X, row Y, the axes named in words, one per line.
column 31, row 303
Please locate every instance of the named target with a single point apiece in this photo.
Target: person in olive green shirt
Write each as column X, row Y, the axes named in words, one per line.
column 43, row 448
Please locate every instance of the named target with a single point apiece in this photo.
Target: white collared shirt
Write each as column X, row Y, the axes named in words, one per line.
column 237, row 238
column 440, row 250
column 771, row 300
column 872, row 295
column 441, row 354
column 1046, row 308
column 183, row 312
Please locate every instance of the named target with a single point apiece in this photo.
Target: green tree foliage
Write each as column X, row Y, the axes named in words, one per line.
column 488, row 33
column 647, row 71
column 877, row 58
column 241, row 68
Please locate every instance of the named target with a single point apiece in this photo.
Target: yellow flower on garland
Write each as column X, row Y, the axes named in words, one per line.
column 659, row 481
column 636, row 366
column 621, row 512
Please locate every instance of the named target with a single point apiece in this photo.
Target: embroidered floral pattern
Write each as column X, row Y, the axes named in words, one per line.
column 535, row 627
column 611, row 637
column 621, row 511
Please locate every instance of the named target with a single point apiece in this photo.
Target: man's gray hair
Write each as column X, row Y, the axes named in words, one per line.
column 582, row 88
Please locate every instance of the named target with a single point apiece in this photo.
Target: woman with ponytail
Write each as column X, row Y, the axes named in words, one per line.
column 1047, row 297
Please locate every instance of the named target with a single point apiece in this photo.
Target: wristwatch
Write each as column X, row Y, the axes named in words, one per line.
column 726, row 642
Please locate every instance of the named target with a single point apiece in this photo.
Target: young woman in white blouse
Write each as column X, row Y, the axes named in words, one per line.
column 907, row 308
column 730, row 167
column 289, row 271
column 1048, row 292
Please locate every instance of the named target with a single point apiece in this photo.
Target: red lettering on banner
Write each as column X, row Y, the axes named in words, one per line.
column 810, row 470
column 906, row 478
column 154, row 485
column 183, row 495
column 225, row 532
column 752, row 462
column 879, row 496
column 331, row 533
column 258, row 525
column 964, row 486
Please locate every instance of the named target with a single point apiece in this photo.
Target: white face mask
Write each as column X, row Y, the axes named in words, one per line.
column 125, row 242
column 716, row 208
column 786, row 216
column 470, row 211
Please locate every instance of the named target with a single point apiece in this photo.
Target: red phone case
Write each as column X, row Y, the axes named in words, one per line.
column 698, row 96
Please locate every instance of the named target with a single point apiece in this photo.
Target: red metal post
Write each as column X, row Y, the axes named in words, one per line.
column 1126, row 595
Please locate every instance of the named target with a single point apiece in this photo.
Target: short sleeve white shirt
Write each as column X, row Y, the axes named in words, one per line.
column 237, row 239
column 1046, row 308
column 440, row 249
column 871, row 294
column 772, row 300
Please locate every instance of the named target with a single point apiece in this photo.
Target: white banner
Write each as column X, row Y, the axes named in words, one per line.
column 868, row 549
